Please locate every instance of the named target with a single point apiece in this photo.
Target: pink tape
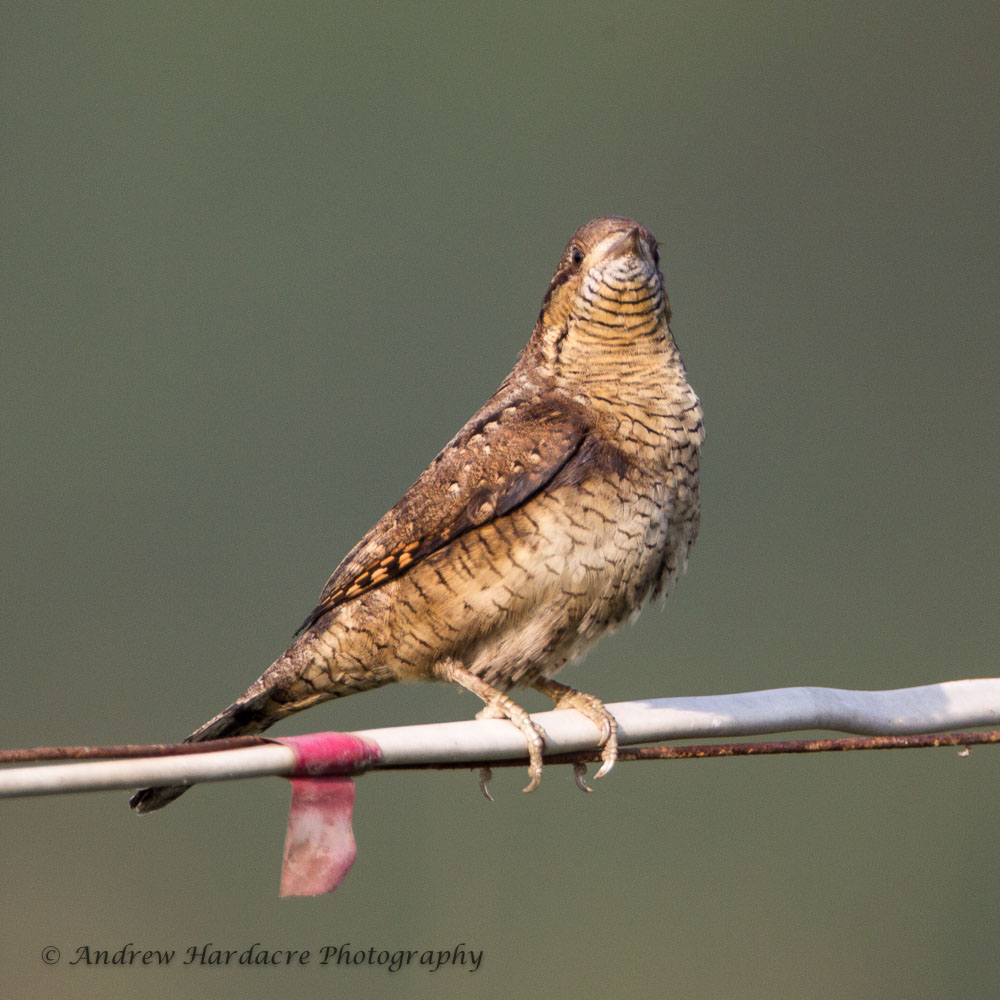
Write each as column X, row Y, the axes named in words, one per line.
column 319, row 843
column 331, row 753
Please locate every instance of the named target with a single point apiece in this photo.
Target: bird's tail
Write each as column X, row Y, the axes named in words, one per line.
column 300, row 677
column 247, row 715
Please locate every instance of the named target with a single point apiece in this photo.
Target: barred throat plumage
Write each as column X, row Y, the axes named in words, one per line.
column 611, row 347
column 564, row 503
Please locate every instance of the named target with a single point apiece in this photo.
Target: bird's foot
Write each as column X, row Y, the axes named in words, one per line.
column 499, row 706
column 593, row 709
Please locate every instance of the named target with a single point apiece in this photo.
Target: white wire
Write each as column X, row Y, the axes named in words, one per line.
column 931, row 708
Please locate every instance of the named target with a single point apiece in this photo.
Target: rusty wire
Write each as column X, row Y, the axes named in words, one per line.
column 683, row 751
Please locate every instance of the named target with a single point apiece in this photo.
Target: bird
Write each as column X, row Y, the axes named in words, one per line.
column 565, row 503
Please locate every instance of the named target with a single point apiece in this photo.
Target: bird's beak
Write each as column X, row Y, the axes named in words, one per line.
column 629, row 244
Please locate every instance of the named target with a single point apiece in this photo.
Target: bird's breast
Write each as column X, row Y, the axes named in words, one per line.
column 535, row 589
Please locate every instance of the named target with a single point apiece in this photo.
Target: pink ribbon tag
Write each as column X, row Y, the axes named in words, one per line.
column 319, row 844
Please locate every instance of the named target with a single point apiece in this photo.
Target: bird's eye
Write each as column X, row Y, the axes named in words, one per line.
column 576, row 256
column 656, row 256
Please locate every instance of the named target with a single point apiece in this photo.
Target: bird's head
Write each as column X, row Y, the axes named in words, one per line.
column 606, row 299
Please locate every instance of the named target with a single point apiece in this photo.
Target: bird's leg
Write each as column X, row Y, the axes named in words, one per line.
column 591, row 707
column 498, row 706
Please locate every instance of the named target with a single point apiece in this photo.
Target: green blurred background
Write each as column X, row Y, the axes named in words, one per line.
column 261, row 261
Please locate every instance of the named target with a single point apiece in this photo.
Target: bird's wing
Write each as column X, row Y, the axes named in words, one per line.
column 509, row 451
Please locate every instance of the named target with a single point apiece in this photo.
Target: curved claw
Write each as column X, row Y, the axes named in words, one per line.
column 485, row 774
column 609, row 754
column 580, row 777
column 536, row 777
column 605, row 768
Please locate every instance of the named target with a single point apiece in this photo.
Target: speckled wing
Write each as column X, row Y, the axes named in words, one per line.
column 508, row 452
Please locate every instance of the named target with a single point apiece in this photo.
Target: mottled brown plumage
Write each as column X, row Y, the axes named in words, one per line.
column 558, row 509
